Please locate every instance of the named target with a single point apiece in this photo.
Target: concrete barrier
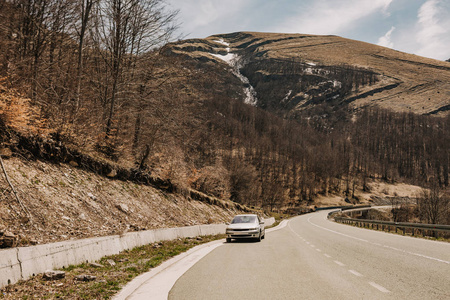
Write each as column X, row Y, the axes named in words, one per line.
column 10, row 268
column 25, row 262
column 269, row 221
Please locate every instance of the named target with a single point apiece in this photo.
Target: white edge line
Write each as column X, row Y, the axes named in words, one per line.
column 282, row 224
column 377, row 244
column 346, row 235
column 379, row 287
column 140, row 280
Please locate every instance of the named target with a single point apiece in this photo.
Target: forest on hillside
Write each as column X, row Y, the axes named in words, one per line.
column 300, row 84
column 90, row 74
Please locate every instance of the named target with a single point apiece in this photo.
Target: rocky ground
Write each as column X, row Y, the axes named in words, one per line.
column 378, row 193
column 65, row 202
column 68, row 203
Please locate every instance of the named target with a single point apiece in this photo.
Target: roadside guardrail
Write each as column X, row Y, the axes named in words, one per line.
column 394, row 226
column 346, row 207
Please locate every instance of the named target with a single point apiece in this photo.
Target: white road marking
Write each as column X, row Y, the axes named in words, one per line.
column 328, row 256
column 157, row 283
column 312, row 246
column 377, row 244
column 417, row 254
column 318, row 250
column 352, row 237
column 161, row 279
column 393, row 248
column 339, row 263
column 355, row 273
column 282, row 224
column 379, row 287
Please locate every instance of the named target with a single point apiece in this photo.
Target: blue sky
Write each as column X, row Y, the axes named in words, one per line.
column 420, row 27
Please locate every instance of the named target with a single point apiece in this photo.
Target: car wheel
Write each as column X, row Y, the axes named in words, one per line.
column 228, row 240
column 259, row 237
column 264, row 236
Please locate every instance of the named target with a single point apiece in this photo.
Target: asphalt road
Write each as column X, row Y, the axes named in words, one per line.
column 313, row 258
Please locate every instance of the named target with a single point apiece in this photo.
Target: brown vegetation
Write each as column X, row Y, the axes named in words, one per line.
column 103, row 279
column 110, row 95
column 381, row 76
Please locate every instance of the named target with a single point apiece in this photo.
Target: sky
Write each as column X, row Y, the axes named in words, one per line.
column 419, row 27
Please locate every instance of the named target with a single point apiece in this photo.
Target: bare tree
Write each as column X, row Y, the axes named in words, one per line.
column 433, row 205
column 83, row 8
column 125, row 30
column 273, row 195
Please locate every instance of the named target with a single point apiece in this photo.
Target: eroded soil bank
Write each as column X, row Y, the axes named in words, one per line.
column 69, row 203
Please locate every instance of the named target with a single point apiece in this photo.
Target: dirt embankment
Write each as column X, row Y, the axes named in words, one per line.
column 70, row 203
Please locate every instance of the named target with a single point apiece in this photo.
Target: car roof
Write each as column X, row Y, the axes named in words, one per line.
column 244, row 215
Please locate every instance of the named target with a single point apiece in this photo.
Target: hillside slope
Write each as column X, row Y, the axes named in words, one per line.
column 295, row 72
column 68, row 203
column 180, row 125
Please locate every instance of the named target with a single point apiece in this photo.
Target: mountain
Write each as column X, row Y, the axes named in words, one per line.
column 293, row 73
column 281, row 122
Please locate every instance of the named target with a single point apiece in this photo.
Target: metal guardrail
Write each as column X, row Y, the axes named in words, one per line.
column 395, row 225
column 347, row 207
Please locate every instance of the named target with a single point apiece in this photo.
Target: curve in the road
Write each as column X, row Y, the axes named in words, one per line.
column 381, row 245
column 310, row 257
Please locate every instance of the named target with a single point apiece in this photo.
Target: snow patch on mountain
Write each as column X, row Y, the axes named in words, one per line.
column 337, row 84
column 308, row 71
column 221, row 41
column 236, row 63
column 228, row 58
column 287, row 96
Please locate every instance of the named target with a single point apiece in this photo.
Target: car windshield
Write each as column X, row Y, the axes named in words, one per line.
column 243, row 219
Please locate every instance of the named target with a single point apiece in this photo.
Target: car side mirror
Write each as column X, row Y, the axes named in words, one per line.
column 262, row 222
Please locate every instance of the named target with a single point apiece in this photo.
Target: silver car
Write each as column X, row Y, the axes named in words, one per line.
column 246, row 226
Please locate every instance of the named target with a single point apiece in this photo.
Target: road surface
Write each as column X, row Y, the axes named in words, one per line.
column 313, row 258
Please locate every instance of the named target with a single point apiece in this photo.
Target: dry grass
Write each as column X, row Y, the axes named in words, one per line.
column 110, row 277
column 69, row 203
column 383, row 189
column 424, row 83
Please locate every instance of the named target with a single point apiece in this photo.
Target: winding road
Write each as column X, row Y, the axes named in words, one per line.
column 314, row 258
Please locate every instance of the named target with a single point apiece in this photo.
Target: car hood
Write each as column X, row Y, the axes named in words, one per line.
column 242, row 226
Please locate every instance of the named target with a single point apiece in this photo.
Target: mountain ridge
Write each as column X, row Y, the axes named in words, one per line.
column 405, row 82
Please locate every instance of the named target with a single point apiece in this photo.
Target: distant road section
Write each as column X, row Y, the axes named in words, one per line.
column 313, row 258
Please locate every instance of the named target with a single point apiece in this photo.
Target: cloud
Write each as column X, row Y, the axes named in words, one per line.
column 416, row 26
column 433, row 35
column 332, row 17
column 385, row 40
column 205, row 17
column 385, row 9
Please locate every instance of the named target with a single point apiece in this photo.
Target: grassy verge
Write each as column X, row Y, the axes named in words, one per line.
column 278, row 218
column 111, row 273
column 277, row 222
